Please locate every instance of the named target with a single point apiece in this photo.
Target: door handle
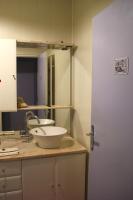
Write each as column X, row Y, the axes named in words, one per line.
column 91, row 134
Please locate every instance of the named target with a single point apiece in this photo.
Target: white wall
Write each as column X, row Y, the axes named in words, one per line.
column 82, row 65
column 36, row 20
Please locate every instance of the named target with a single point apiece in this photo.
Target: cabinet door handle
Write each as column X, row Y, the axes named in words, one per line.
column 4, row 186
column 3, row 171
column 52, row 186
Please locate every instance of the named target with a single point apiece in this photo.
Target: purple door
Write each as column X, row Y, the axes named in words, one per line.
column 111, row 162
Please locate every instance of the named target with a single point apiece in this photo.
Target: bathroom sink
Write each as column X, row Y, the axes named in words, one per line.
column 33, row 123
column 48, row 136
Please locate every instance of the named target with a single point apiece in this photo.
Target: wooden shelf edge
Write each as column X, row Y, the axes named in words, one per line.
column 43, row 107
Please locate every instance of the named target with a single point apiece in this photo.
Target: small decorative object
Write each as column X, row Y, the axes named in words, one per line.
column 21, row 103
column 121, row 65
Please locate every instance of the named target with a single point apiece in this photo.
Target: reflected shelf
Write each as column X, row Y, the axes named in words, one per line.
column 43, row 107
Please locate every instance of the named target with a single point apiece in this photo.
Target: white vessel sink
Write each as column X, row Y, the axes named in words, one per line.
column 48, row 136
column 33, row 123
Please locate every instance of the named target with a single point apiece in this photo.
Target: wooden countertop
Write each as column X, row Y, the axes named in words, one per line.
column 31, row 150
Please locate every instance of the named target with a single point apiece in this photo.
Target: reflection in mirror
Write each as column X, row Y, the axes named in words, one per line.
column 43, row 78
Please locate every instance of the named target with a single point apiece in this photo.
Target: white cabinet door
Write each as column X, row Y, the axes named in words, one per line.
column 10, row 168
column 60, row 178
column 15, row 195
column 8, row 184
column 38, row 179
column 13, row 183
column 8, row 97
column 70, row 177
column 2, row 196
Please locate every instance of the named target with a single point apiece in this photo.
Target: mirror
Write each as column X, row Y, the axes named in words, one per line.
column 43, row 78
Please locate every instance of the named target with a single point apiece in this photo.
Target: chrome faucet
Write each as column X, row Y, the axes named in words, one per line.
column 30, row 115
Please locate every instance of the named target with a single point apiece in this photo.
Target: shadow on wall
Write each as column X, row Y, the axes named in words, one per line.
column 98, row 6
column 78, row 132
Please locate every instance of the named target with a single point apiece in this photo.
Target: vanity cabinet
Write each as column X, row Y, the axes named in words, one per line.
column 10, row 180
column 54, row 178
column 38, row 178
column 8, row 97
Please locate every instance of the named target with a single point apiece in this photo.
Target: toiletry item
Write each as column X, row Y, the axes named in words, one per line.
column 21, row 103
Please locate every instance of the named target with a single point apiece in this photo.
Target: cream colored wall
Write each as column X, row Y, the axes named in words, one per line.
column 0, row 121
column 36, row 20
column 29, row 52
column 82, row 65
column 62, row 86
